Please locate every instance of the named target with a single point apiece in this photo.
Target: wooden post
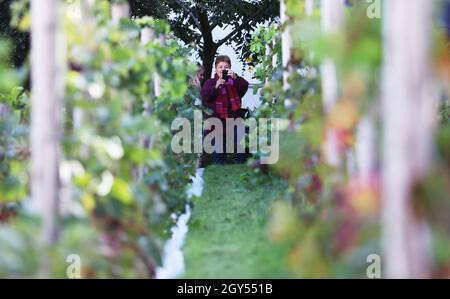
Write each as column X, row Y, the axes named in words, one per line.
column 286, row 45
column 366, row 148
column 78, row 11
column 309, row 7
column 156, row 78
column 119, row 11
column 270, row 50
column 147, row 35
column 407, row 111
column 4, row 110
column 275, row 57
column 268, row 54
column 47, row 91
column 332, row 19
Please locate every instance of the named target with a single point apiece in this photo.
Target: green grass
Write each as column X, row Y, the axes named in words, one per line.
column 227, row 231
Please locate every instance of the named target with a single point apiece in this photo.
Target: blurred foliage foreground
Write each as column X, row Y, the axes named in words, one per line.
column 328, row 216
column 119, row 180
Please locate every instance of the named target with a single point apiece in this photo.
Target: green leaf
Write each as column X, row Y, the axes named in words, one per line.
column 121, row 190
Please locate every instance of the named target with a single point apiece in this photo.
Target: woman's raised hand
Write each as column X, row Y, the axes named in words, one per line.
column 232, row 74
column 219, row 82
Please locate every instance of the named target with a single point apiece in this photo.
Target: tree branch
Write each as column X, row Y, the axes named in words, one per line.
column 194, row 18
column 205, row 28
column 216, row 23
column 244, row 23
column 189, row 11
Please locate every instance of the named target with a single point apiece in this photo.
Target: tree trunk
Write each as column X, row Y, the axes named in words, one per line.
column 209, row 53
column 209, row 46
column 47, row 91
column 407, row 109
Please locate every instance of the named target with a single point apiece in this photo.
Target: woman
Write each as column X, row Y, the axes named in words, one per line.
column 197, row 80
column 223, row 97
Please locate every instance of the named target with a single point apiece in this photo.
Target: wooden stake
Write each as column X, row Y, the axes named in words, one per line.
column 406, row 106
column 47, row 90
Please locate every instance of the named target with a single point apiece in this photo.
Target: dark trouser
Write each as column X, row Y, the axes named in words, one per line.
column 220, row 158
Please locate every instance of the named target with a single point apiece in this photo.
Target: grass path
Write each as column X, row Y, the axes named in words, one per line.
column 227, row 231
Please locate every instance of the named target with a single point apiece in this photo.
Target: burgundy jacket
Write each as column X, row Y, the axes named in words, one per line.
column 209, row 92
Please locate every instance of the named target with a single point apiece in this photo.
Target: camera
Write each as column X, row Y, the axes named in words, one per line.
column 225, row 75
